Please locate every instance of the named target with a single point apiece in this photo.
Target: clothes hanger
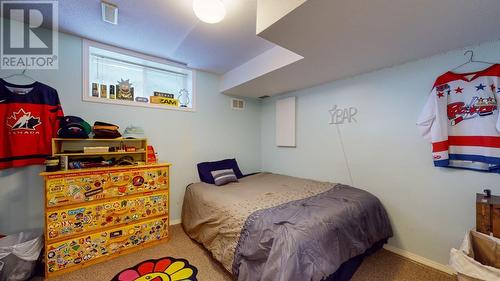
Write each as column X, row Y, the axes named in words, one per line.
column 23, row 73
column 472, row 60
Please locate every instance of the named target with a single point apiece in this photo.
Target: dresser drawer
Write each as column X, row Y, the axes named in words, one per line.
column 87, row 248
column 81, row 187
column 68, row 221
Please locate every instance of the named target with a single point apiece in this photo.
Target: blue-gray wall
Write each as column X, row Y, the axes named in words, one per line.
column 431, row 209
column 213, row 132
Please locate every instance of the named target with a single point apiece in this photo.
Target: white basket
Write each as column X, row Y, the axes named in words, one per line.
column 469, row 269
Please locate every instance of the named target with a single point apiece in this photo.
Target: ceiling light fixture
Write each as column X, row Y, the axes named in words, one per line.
column 209, row 11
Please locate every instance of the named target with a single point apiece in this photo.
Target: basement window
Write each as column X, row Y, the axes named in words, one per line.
column 117, row 76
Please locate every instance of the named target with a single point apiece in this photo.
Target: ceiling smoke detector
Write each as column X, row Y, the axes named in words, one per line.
column 109, row 12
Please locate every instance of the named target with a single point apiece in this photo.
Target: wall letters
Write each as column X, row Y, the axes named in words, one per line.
column 340, row 116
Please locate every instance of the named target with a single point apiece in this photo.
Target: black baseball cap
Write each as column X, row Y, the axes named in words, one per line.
column 73, row 127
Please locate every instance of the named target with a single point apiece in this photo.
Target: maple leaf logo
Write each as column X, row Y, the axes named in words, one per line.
column 23, row 120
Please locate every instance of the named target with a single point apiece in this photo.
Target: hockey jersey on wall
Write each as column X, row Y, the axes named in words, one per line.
column 461, row 119
column 29, row 115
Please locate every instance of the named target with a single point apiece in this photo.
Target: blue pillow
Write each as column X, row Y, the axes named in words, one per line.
column 205, row 169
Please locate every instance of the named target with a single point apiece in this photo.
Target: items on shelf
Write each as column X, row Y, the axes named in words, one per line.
column 104, row 130
column 164, row 101
column 163, row 94
column 151, row 155
column 125, row 160
column 183, row 97
column 133, row 132
column 95, row 149
column 120, row 148
column 92, row 153
column 122, row 91
column 52, row 164
column 168, row 99
column 104, row 91
column 92, row 162
column 95, row 90
column 112, row 94
column 64, row 162
column 125, row 91
column 73, row 127
column 141, row 99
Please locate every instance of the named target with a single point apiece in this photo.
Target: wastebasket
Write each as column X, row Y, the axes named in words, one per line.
column 478, row 258
column 18, row 255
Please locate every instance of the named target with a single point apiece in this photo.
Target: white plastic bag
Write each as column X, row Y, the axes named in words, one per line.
column 461, row 261
column 24, row 245
column 18, row 255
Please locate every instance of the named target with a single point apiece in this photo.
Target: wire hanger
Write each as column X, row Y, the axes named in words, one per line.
column 23, row 73
column 471, row 60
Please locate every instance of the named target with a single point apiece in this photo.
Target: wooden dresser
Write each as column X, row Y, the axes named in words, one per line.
column 488, row 214
column 93, row 215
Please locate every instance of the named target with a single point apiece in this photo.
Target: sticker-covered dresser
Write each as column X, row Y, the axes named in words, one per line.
column 93, row 215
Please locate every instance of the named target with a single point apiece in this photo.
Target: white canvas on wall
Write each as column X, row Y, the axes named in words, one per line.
column 285, row 122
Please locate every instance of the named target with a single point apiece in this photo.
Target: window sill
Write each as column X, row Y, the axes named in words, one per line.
column 136, row 104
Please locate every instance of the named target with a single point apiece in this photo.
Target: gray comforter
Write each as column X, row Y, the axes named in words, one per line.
column 276, row 228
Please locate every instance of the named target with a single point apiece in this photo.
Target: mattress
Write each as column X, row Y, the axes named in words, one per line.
column 276, row 227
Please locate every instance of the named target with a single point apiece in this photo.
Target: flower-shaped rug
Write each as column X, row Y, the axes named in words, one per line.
column 164, row 269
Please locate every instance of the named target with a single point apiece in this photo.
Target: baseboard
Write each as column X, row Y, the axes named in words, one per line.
column 420, row 259
column 174, row 222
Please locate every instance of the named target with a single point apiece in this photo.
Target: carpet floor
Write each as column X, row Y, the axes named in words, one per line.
column 382, row 266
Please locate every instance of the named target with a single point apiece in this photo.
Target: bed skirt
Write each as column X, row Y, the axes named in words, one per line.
column 348, row 268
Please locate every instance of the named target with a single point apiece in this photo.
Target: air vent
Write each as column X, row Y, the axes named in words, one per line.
column 237, row 104
column 109, row 12
column 263, row 97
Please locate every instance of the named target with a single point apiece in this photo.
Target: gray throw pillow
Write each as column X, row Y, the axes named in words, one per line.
column 222, row 177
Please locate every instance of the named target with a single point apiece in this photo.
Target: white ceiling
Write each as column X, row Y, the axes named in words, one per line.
column 336, row 38
column 339, row 38
column 169, row 29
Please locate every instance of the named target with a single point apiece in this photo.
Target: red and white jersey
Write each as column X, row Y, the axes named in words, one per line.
column 461, row 119
column 30, row 118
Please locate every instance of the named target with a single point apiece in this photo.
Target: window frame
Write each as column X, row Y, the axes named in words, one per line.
column 86, row 44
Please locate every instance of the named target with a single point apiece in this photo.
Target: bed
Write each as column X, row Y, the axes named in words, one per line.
column 281, row 228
